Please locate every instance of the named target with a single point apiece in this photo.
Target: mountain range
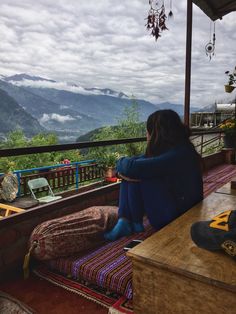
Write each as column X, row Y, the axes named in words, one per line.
column 67, row 108
column 14, row 116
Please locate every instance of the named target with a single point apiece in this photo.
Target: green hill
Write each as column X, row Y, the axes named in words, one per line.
column 89, row 136
column 13, row 117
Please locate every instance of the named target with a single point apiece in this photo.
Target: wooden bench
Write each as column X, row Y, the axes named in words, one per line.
column 8, row 210
column 172, row 275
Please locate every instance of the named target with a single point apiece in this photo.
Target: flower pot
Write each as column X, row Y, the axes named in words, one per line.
column 229, row 88
column 230, row 141
column 110, row 172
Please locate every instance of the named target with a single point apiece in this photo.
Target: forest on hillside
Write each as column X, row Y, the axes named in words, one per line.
column 128, row 126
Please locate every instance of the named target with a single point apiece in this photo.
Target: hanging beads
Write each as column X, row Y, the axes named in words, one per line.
column 210, row 46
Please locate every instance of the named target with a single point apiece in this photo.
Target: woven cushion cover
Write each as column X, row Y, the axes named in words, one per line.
column 108, row 266
column 217, row 176
column 73, row 233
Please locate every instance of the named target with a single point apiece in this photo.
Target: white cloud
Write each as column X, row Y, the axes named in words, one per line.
column 56, row 117
column 45, row 118
column 46, row 84
column 60, row 86
column 64, row 107
column 105, row 44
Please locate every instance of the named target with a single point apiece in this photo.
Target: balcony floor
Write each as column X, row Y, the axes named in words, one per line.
column 45, row 297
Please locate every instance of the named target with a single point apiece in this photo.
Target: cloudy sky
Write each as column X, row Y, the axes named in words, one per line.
column 105, row 44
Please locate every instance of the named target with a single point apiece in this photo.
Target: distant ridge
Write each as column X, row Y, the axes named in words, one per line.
column 68, row 108
column 14, row 117
column 23, row 76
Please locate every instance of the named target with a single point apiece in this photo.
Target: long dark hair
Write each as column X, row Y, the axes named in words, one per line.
column 166, row 130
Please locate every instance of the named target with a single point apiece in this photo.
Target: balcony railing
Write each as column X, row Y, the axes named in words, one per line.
column 81, row 145
column 63, row 176
column 60, row 177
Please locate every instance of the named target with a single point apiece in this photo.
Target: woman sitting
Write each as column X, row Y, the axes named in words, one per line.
column 164, row 183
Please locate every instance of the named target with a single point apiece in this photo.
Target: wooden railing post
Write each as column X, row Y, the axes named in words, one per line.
column 201, row 144
column 77, row 177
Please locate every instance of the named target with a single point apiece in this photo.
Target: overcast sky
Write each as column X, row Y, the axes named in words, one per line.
column 104, row 44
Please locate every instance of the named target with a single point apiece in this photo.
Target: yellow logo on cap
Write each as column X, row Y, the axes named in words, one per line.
column 221, row 221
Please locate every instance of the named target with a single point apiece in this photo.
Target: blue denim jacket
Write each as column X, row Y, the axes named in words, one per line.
column 179, row 168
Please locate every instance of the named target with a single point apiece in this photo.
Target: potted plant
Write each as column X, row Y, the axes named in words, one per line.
column 229, row 127
column 231, row 81
column 107, row 160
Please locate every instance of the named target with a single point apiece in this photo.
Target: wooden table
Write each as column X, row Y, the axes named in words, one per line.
column 23, row 202
column 172, row 275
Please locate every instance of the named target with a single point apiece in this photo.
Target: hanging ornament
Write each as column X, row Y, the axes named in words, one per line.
column 170, row 14
column 156, row 18
column 210, row 46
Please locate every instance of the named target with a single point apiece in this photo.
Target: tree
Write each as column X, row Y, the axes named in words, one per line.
column 128, row 126
column 17, row 139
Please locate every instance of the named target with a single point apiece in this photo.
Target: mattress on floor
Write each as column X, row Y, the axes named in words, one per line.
column 216, row 177
column 107, row 266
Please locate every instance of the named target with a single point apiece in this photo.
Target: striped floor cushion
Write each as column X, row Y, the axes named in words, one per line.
column 214, row 178
column 108, row 266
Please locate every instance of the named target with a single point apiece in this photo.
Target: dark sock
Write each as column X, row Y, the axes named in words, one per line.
column 121, row 229
column 137, row 227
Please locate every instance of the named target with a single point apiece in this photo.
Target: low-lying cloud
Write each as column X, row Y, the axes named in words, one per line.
column 56, row 117
column 61, row 86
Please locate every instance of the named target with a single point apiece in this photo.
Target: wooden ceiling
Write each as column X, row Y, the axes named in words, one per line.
column 216, row 9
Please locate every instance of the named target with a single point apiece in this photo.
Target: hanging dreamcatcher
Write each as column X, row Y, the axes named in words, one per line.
column 156, row 20
column 210, row 46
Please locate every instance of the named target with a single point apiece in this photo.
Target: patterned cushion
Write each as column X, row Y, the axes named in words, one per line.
column 222, row 173
column 73, row 233
column 108, row 266
column 216, row 177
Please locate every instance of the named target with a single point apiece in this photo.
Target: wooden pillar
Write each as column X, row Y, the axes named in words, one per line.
column 229, row 155
column 188, row 61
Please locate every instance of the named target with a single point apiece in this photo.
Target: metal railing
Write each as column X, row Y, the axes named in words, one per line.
column 60, row 176
column 213, row 140
column 80, row 145
column 213, row 130
column 64, row 147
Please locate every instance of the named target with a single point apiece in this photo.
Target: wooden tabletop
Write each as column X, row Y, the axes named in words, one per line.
column 23, row 202
column 172, row 248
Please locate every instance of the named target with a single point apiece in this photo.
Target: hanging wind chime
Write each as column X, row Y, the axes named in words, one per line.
column 210, row 46
column 156, row 20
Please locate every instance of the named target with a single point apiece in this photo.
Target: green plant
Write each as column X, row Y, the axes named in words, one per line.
column 127, row 127
column 231, row 77
column 7, row 165
column 108, row 159
column 211, row 149
column 18, row 139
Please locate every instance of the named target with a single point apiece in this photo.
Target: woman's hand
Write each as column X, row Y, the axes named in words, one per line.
column 121, row 176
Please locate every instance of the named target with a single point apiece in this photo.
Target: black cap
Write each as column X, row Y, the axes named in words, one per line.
column 217, row 234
